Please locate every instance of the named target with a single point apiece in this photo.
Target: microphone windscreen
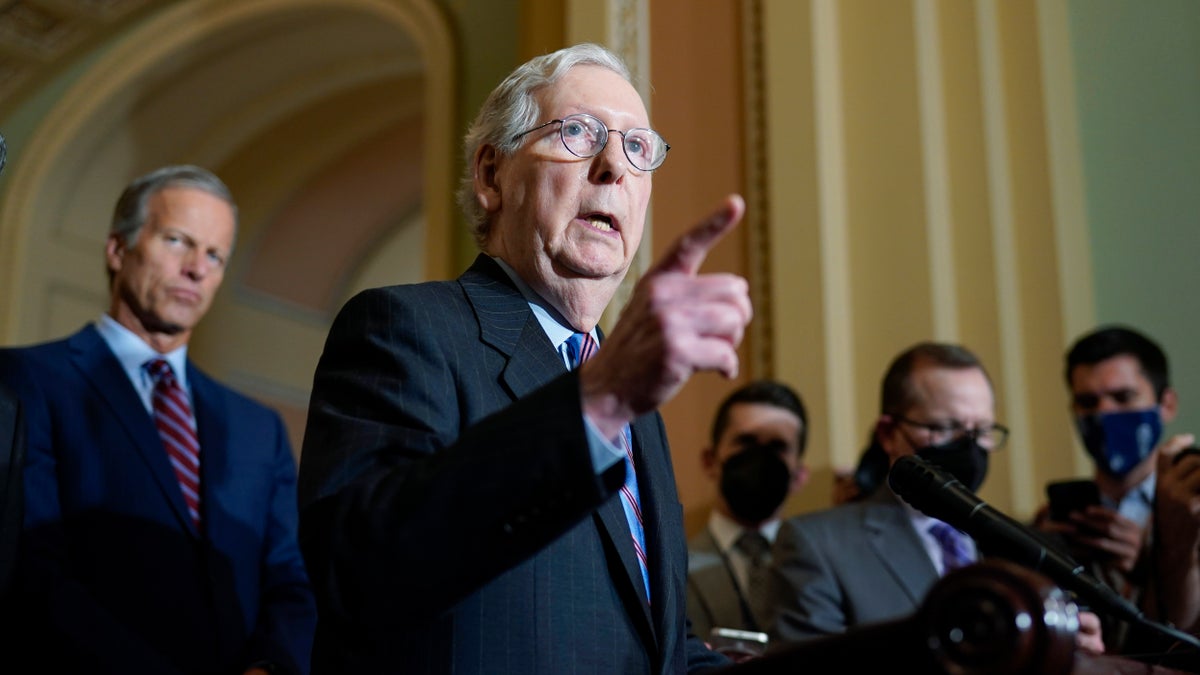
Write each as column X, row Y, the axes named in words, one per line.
column 932, row 491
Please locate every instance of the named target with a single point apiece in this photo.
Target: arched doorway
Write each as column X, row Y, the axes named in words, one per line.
column 332, row 122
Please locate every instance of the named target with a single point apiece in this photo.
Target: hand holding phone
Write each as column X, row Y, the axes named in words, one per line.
column 1071, row 495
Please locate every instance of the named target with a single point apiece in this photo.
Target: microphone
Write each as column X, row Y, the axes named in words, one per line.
column 939, row 495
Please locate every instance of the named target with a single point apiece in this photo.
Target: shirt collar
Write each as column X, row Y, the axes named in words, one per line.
column 1138, row 503
column 726, row 531
column 552, row 323
column 133, row 352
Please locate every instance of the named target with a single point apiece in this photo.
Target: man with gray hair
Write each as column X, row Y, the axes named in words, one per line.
column 160, row 514
column 478, row 493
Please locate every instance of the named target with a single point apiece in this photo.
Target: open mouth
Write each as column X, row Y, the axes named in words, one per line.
column 600, row 222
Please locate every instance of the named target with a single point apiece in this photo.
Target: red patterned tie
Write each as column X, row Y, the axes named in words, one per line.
column 173, row 416
column 580, row 348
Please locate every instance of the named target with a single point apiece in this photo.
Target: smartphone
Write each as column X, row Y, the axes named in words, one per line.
column 1071, row 495
column 737, row 644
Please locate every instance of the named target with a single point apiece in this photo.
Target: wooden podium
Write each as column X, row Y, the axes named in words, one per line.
column 993, row 618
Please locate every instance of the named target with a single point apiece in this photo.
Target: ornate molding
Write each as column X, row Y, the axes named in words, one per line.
column 628, row 35
column 37, row 36
column 757, row 195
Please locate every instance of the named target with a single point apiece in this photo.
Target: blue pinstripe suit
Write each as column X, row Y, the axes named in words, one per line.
column 450, row 514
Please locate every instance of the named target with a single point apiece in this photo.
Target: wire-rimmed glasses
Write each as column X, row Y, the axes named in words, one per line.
column 585, row 136
column 990, row 437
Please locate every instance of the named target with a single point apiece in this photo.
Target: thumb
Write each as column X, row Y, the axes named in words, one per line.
column 688, row 252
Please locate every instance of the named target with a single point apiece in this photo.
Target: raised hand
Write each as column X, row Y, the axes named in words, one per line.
column 677, row 322
column 1177, row 516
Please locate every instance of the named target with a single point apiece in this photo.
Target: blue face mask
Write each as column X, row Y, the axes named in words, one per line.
column 1120, row 441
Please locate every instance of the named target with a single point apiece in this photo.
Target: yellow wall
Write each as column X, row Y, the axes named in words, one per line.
column 912, row 169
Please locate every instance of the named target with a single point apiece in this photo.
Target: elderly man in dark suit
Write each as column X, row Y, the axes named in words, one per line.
column 160, row 515
column 473, row 500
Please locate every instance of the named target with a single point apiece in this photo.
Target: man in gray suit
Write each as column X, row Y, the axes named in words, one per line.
column 875, row 560
column 756, row 458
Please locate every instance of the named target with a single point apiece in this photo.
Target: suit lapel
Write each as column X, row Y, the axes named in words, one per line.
column 100, row 368
column 610, row 517
column 898, row 546
column 508, row 325
column 711, row 577
column 212, row 429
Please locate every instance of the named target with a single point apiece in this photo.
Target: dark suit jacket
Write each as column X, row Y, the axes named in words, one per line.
column 450, row 515
column 859, row 563
column 12, row 496
column 115, row 575
column 713, row 598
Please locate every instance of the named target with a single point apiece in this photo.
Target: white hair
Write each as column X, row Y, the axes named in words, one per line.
column 512, row 107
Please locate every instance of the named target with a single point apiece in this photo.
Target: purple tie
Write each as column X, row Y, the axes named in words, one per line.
column 955, row 552
column 580, row 348
column 173, row 417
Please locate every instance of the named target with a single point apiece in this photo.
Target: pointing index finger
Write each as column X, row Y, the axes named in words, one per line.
column 689, row 251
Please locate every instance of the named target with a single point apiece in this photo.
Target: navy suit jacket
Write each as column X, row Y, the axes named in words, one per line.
column 12, row 497
column 116, row 576
column 451, row 517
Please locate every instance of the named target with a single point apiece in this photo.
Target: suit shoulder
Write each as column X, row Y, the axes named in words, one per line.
column 43, row 358
column 701, row 552
column 389, row 308
column 401, row 294
column 35, row 352
column 833, row 520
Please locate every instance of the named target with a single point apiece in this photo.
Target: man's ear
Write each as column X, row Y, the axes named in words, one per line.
column 708, row 462
column 114, row 252
column 1168, row 405
column 486, row 178
column 800, row 478
column 885, row 428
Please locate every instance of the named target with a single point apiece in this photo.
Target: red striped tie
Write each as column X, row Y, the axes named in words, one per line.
column 173, row 417
column 580, row 348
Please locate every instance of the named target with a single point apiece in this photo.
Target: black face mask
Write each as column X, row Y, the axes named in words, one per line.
column 962, row 458
column 755, row 482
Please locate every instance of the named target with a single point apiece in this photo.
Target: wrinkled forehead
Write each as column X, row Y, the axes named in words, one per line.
column 598, row 91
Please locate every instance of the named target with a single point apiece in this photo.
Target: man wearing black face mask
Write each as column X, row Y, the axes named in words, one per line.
column 875, row 560
column 1121, row 399
column 756, row 461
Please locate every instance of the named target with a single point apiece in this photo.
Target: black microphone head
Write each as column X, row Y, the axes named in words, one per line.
column 932, row 491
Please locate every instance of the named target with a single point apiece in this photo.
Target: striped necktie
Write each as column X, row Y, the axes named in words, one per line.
column 580, row 348
column 176, row 427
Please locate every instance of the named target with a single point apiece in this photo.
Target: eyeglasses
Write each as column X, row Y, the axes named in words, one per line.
column 991, row 437
column 585, row 136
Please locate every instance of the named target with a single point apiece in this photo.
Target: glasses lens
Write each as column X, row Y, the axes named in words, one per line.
column 997, row 436
column 583, row 135
column 645, row 148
